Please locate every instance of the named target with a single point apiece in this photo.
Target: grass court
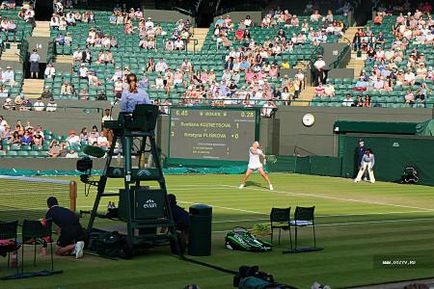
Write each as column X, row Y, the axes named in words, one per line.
column 356, row 224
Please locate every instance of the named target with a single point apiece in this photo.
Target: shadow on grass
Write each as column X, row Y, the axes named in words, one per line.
column 255, row 184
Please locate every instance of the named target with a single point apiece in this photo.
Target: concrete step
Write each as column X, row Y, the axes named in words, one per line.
column 305, row 96
column 64, row 59
column 42, row 29
column 200, row 35
column 12, row 53
column 32, row 88
column 349, row 34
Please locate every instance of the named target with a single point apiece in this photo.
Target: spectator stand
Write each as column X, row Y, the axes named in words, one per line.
column 397, row 71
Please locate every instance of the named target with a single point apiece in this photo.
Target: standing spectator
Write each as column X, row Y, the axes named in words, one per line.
column 319, row 70
column 34, row 64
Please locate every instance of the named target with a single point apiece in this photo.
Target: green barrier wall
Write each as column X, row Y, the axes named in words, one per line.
column 392, row 155
column 313, row 165
column 325, row 166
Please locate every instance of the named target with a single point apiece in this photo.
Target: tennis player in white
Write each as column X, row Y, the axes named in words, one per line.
column 256, row 161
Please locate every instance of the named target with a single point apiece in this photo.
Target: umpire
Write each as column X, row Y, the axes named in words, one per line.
column 72, row 236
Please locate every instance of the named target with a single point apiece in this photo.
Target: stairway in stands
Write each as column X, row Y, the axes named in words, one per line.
column 357, row 63
column 32, row 88
column 11, row 52
column 199, row 35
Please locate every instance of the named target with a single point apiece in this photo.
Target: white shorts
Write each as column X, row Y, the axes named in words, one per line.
column 254, row 166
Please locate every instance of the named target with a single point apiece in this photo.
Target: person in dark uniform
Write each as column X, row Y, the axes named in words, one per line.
column 180, row 216
column 72, row 236
column 360, row 152
column 182, row 224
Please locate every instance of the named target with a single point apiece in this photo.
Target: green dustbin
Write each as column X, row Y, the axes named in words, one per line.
column 199, row 243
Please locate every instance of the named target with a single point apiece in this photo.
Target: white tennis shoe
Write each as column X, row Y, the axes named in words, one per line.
column 241, row 186
column 79, row 246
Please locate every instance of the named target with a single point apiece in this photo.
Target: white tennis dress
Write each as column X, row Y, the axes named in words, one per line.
column 254, row 159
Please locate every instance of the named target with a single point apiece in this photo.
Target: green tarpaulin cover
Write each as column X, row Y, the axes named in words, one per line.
column 425, row 128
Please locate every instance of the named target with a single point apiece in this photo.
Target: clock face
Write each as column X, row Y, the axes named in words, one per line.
column 308, row 119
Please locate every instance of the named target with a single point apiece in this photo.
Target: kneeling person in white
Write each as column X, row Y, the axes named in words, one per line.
column 368, row 162
column 256, row 161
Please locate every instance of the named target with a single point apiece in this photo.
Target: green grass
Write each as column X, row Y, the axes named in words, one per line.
column 356, row 222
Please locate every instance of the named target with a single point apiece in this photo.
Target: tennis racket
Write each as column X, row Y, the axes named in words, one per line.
column 271, row 159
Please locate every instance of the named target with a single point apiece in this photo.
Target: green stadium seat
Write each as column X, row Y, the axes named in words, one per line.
column 11, row 154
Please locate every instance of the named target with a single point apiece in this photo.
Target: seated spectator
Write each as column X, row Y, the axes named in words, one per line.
column 71, row 154
column 320, row 90
column 27, row 138
column 8, row 76
column 39, row 105
column 67, row 39
column 55, row 149
column 54, row 22
column 409, row 97
column 348, row 101
column 46, row 93
column 16, row 138
column 4, row 92
column 161, row 66
column 83, row 94
column 38, row 137
column 179, row 44
column 77, row 55
column 329, row 90
column 93, row 136
column 8, row 104
column 50, row 71
column 83, row 71
column 102, row 140
column 66, row 89
column 93, row 79
column 73, row 138
column 84, row 135
column 60, row 39
column 378, row 19
column 51, row 105
column 268, row 109
column 367, row 101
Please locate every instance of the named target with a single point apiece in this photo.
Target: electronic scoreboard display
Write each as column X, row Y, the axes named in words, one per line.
column 212, row 134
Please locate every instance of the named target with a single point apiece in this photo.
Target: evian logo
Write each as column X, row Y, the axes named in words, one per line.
column 150, row 204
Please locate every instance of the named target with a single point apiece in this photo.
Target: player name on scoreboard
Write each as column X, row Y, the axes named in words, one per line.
column 214, row 134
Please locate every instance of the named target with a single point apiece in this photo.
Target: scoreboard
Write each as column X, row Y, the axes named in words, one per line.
column 212, row 133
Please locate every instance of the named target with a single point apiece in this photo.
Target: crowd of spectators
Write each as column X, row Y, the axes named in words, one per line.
column 21, row 103
column 148, row 30
column 399, row 64
column 314, row 30
column 20, row 134
column 69, row 146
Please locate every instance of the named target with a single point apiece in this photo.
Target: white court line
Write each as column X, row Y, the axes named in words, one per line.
column 336, row 198
column 227, row 208
column 357, row 223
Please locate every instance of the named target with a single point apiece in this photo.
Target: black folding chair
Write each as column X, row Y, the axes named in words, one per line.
column 279, row 219
column 34, row 230
column 8, row 232
column 303, row 217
